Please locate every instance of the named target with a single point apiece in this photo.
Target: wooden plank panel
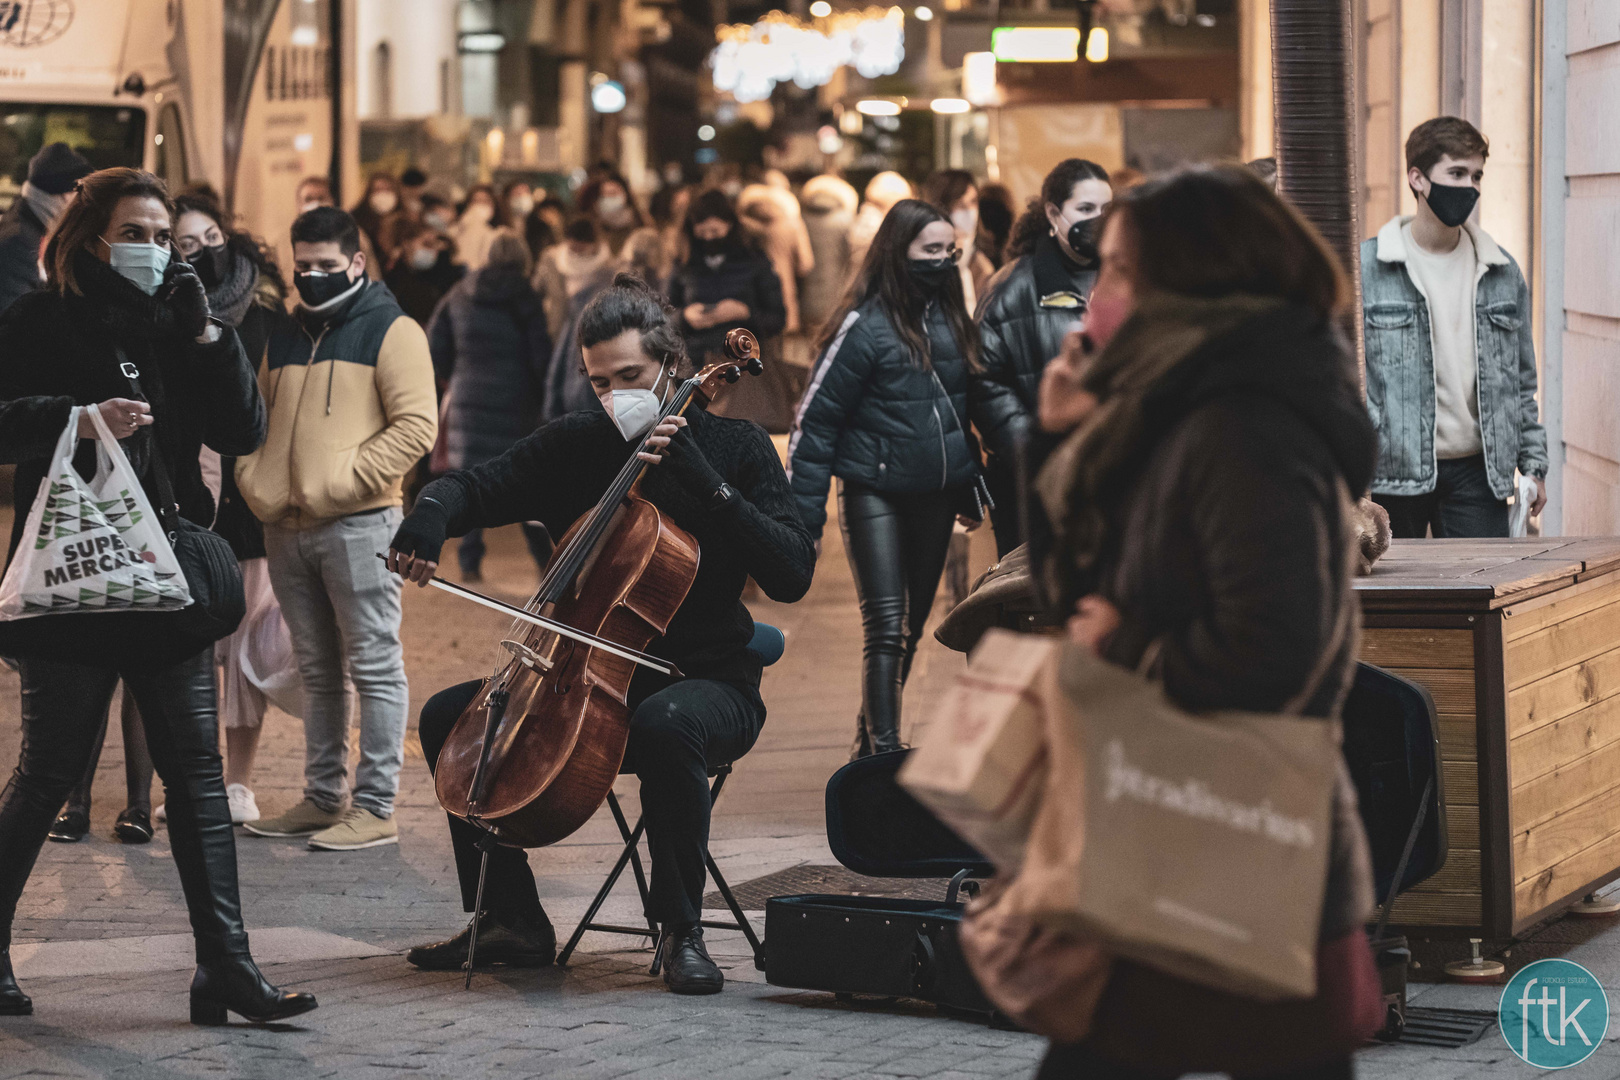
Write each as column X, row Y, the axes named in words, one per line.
column 1519, row 620
column 1561, row 693
column 1459, row 737
column 1437, row 909
column 1462, row 782
column 1566, row 835
column 1556, row 647
column 1453, row 691
column 1403, row 647
column 1570, row 785
column 1460, row 873
column 1530, row 896
column 1462, row 826
column 1563, row 741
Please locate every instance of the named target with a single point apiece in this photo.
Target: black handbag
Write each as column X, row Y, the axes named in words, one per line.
column 151, row 639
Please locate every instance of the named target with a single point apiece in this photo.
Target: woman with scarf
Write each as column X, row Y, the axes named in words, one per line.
column 377, row 213
column 1028, row 306
column 490, row 345
column 474, row 230
column 245, row 290
column 1213, row 439
column 607, row 202
column 886, row 413
column 118, row 300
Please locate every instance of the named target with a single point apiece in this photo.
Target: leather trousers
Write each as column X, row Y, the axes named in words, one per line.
column 63, row 708
column 896, row 544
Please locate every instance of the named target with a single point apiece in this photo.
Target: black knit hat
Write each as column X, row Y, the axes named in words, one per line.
column 56, row 168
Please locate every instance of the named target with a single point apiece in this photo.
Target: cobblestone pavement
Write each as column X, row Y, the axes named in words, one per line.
column 101, row 937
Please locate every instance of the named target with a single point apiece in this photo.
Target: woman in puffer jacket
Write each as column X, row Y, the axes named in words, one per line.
column 886, row 413
column 1027, row 308
column 1214, row 438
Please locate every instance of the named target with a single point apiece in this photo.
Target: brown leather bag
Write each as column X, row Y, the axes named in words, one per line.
column 1046, row 981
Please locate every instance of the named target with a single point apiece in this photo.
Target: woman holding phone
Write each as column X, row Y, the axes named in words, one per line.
column 119, row 301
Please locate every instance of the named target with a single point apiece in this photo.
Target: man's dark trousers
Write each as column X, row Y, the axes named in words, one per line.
column 1461, row 505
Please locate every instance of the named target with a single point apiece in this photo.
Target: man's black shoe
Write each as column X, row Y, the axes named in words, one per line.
column 513, row 944
column 687, row 967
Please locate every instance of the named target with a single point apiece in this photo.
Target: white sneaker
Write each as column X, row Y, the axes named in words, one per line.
column 161, row 814
column 243, row 806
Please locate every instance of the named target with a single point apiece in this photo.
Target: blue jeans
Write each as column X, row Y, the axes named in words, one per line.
column 342, row 609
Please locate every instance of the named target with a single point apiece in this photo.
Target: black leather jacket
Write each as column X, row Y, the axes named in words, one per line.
column 1027, row 308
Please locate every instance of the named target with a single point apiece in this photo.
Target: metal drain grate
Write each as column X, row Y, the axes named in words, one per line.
column 1448, row 1028
column 818, row 878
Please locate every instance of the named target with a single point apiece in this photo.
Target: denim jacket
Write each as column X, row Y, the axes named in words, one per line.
column 1400, row 367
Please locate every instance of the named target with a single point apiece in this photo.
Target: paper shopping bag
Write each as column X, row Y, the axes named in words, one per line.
column 981, row 766
column 1195, row 844
column 91, row 545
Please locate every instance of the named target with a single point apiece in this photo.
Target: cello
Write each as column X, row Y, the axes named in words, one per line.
column 535, row 753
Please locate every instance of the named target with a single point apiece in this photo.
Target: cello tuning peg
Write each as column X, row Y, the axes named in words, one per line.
column 756, row 366
column 732, row 375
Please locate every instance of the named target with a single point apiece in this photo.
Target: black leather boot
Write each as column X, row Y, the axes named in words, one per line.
column 234, row 983
column 13, row 1002
column 687, row 967
column 500, row 941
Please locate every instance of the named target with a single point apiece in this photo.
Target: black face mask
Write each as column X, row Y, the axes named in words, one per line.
column 706, row 248
column 317, row 288
column 1083, row 238
column 212, row 264
column 1452, row 205
column 931, row 274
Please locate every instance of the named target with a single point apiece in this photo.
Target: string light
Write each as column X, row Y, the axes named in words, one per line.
column 750, row 60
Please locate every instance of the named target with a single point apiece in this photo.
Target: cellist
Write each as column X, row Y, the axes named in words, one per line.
column 722, row 481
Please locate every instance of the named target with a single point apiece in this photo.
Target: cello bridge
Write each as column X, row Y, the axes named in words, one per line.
column 528, row 656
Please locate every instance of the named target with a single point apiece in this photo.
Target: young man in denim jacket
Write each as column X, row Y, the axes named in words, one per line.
column 1451, row 365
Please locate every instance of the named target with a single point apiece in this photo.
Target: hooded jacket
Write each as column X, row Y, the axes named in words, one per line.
column 872, row 416
column 352, row 408
column 489, row 342
column 1222, row 494
column 22, row 235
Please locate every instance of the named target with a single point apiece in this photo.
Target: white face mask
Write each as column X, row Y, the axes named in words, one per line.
column 634, row 412
column 142, row 264
column 308, row 206
column 610, row 204
column 383, row 202
column 424, row 258
column 479, row 212
column 520, row 205
column 965, row 222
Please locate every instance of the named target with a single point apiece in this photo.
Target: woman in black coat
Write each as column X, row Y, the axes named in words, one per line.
column 1214, row 436
column 886, row 413
column 1028, row 307
column 725, row 282
column 489, row 343
column 116, row 303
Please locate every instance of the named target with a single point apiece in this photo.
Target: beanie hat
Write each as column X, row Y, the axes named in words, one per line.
column 56, row 168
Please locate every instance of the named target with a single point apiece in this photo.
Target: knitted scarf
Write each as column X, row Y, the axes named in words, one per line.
column 1083, row 483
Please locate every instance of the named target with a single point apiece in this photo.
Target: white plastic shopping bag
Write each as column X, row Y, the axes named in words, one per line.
column 91, row 545
column 1519, row 515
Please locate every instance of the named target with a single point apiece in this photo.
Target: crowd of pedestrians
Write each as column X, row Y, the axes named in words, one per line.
column 1134, row 378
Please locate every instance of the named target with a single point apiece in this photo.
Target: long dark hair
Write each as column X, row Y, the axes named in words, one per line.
column 1055, row 189
column 88, row 216
column 632, row 304
column 886, row 276
column 238, row 240
column 1213, row 231
column 713, row 204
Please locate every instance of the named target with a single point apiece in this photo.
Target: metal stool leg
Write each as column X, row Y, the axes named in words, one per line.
column 632, row 840
column 632, row 837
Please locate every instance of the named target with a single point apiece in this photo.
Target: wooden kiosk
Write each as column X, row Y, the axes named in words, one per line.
column 1518, row 641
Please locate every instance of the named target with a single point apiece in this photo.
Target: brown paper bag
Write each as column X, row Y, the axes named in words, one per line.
column 980, row 767
column 1045, row 980
column 1197, row 845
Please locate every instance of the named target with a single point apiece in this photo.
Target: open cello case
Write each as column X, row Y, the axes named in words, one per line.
column 878, row 945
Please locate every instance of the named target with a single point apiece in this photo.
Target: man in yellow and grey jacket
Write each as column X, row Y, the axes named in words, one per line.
column 348, row 383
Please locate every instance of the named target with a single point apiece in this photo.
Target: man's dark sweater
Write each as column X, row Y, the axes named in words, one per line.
column 558, row 473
